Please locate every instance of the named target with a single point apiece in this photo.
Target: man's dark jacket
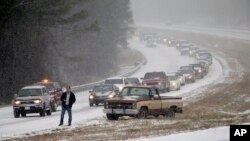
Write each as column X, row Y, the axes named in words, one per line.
column 72, row 99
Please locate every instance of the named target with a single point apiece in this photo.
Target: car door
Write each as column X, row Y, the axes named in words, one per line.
column 155, row 103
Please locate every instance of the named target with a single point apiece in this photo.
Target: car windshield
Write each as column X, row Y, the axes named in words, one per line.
column 185, row 67
column 135, row 92
column 29, row 92
column 186, row 71
column 172, row 77
column 49, row 86
column 153, row 75
column 132, row 81
column 103, row 88
column 196, row 65
column 114, row 81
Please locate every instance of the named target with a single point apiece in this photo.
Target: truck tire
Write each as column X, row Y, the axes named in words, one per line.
column 112, row 117
column 96, row 104
column 23, row 114
column 43, row 111
column 143, row 113
column 91, row 104
column 170, row 113
column 16, row 113
column 49, row 112
column 53, row 106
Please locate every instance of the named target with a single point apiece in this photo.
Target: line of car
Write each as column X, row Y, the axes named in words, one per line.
column 143, row 99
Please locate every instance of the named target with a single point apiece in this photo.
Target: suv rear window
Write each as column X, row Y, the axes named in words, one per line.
column 114, row 81
column 154, row 75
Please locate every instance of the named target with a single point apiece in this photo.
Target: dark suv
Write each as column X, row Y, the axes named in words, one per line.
column 101, row 93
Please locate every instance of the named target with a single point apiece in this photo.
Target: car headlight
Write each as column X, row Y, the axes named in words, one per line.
column 120, row 88
column 17, row 102
column 174, row 83
column 190, row 77
column 199, row 71
column 37, row 101
column 110, row 96
column 91, row 97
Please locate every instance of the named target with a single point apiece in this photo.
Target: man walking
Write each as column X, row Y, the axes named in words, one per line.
column 68, row 99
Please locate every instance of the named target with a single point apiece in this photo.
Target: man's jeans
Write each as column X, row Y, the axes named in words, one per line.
column 68, row 109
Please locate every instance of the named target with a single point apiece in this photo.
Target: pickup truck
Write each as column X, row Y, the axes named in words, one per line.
column 140, row 102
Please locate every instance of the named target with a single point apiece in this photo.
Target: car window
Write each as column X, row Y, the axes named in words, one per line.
column 132, row 81
column 154, row 92
column 103, row 88
column 29, row 92
column 172, row 77
column 153, row 75
column 135, row 92
column 114, row 81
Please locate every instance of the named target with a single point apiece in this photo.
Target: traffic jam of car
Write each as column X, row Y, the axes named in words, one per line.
column 126, row 96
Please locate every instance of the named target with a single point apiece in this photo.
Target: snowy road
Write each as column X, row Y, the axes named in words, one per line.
column 160, row 58
column 213, row 134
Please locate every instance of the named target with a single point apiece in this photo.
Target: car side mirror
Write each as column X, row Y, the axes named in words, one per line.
column 90, row 91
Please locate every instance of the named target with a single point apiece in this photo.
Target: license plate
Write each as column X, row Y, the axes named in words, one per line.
column 118, row 111
column 27, row 108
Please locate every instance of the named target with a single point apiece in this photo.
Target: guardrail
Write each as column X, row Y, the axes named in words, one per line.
column 88, row 86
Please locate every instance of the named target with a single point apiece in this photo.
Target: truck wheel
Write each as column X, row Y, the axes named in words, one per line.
column 170, row 113
column 43, row 111
column 91, row 104
column 23, row 114
column 96, row 104
column 48, row 112
column 112, row 117
column 16, row 113
column 143, row 113
column 53, row 106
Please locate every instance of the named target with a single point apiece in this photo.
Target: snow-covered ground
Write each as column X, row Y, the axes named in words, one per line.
column 213, row 134
column 161, row 58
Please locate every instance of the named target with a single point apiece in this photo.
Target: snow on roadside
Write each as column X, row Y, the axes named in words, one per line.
column 212, row 134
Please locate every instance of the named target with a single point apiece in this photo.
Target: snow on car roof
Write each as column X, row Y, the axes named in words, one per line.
column 116, row 78
column 34, row 87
